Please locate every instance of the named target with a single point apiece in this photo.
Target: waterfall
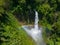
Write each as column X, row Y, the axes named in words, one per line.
column 36, row 20
column 36, row 32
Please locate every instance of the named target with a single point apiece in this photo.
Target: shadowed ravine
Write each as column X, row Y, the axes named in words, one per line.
column 35, row 32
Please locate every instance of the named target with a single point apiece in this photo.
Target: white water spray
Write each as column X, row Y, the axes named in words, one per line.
column 36, row 32
column 36, row 20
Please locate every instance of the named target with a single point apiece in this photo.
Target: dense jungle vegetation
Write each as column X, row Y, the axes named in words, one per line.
column 15, row 13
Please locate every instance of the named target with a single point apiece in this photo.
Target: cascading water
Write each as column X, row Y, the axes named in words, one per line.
column 36, row 32
column 36, row 20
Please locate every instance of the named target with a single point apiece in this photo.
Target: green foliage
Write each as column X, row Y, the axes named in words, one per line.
column 45, row 8
column 9, row 32
column 23, row 10
column 15, row 37
column 22, row 1
column 2, row 2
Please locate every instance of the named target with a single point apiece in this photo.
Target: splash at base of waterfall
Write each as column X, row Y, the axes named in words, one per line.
column 35, row 34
